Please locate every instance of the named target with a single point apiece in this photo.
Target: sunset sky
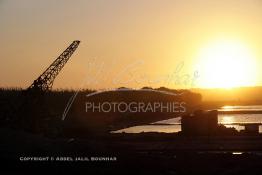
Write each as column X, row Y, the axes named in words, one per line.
column 133, row 43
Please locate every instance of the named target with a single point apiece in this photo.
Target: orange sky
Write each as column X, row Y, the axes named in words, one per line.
column 132, row 43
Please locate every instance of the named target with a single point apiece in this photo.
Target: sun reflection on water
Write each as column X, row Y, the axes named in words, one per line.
column 227, row 120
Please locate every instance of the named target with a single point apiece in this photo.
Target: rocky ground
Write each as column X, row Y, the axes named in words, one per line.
column 145, row 153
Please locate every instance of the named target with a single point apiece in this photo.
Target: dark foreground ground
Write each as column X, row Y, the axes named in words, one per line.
column 149, row 153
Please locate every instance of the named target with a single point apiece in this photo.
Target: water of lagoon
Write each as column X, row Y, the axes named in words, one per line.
column 226, row 119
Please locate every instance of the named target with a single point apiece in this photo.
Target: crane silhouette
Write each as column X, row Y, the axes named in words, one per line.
column 33, row 109
column 45, row 81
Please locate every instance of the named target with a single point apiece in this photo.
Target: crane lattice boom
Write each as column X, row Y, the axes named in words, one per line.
column 45, row 81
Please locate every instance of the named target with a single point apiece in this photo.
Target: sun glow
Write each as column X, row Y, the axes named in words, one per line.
column 226, row 64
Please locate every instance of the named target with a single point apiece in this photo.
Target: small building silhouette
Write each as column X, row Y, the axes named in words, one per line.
column 200, row 123
column 205, row 123
column 251, row 128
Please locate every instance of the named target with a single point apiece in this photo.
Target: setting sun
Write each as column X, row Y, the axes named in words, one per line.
column 226, row 64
